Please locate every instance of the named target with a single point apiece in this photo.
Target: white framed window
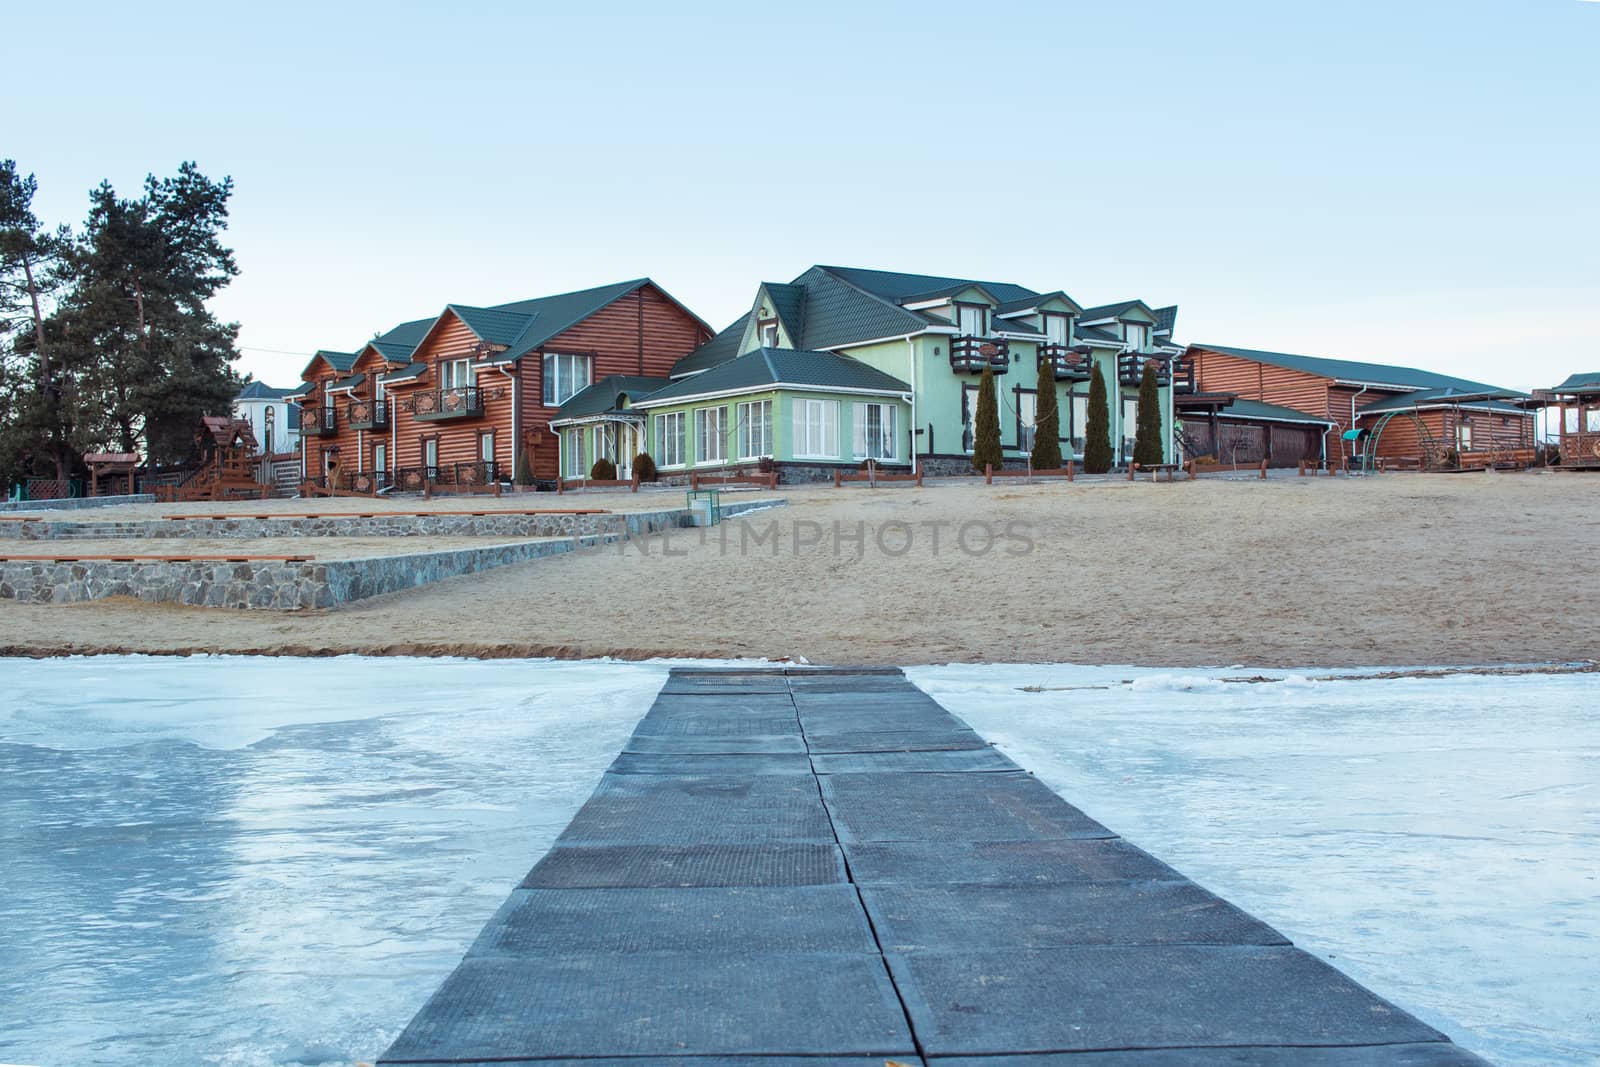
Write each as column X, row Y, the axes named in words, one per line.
column 1591, row 420
column 378, row 392
column 874, row 431
column 1080, row 420
column 769, row 335
column 816, row 429
column 1058, row 329
column 669, row 439
column 755, row 429
column 604, row 444
column 486, row 446
column 1130, row 423
column 565, row 375
column 455, row 374
column 1569, row 421
column 573, row 452
column 380, row 458
column 1027, row 419
column 711, row 435
column 1464, row 435
column 1135, row 333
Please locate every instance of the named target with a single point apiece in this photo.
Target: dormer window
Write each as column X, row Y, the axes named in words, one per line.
column 769, row 334
column 1136, row 334
column 972, row 320
column 1058, row 329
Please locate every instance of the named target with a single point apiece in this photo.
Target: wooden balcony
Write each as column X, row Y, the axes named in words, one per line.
column 1130, row 367
column 320, row 421
column 1071, row 363
column 438, row 405
column 367, row 414
column 969, row 355
column 1183, row 373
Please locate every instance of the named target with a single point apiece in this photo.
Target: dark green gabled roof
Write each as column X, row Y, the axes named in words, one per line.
column 410, row 372
column 789, row 303
column 1027, row 303
column 768, row 367
column 1095, row 333
column 1113, row 311
column 495, row 325
column 1255, row 409
column 839, row 312
column 1381, row 374
column 1488, row 396
column 1166, row 318
column 1583, row 382
column 721, row 348
column 895, row 286
column 339, row 361
column 606, row 394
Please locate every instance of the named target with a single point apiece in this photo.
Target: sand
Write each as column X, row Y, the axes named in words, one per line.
column 1396, row 570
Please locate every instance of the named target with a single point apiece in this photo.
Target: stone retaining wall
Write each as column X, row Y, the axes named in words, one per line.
column 76, row 503
column 397, row 525
column 283, row 586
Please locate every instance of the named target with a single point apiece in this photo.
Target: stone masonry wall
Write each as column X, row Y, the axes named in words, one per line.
column 283, row 586
column 380, row 525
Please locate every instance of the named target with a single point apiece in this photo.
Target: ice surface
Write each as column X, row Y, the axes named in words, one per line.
column 1437, row 839
column 245, row 862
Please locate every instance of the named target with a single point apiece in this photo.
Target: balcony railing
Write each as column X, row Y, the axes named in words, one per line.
column 321, row 421
column 460, row 402
column 367, row 414
column 1130, row 367
column 1070, row 363
column 969, row 355
column 368, row 481
column 415, row 479
column 1183, row 373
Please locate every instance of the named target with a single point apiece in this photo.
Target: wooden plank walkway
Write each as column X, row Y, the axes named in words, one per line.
column 827, row 864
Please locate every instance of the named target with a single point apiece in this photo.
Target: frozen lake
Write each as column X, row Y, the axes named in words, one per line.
column 274, row 862
column 1438, row 839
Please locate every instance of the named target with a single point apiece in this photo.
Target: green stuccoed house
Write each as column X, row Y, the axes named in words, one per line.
column 843, row 365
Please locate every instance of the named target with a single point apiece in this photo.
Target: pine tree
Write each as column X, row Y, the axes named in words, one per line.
column 1147, row 447
column 1097, row 454
column 1046, row 421
column 35, row 415
column 155, row 358
column 986, row 426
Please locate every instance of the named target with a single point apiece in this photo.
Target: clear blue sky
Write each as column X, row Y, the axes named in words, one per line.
column 1411, row 181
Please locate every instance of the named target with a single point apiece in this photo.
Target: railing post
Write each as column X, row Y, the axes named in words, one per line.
column 1132, row 467
column 1072, row 471
column 988, row 474
column 1263, row 470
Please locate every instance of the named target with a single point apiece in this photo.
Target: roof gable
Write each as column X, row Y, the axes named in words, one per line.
column 327, row 362
column 1127, row 310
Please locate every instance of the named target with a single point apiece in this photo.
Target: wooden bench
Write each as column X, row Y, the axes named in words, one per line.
column 1314, row 467
column 566, row 484
column 1155, row 469
column 1194, row 469
column 874, row 477
column 769, row 480
column 140, row 558
column 1069, row 472
column 19, row 518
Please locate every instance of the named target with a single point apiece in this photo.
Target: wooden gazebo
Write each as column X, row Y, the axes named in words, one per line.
column 111, row 471
column 1577, row 402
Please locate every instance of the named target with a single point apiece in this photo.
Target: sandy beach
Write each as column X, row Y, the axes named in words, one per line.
column 1387, row 571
